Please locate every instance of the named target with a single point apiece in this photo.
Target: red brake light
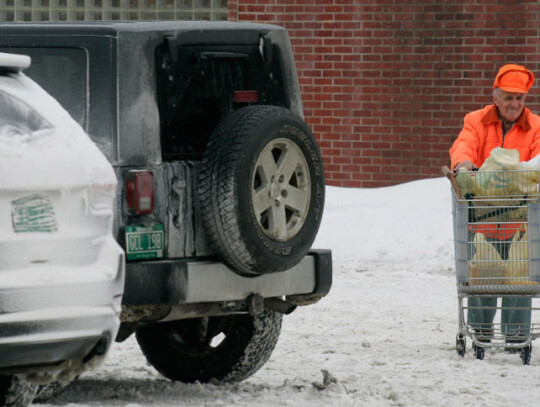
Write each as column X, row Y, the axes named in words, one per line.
column 140, row 192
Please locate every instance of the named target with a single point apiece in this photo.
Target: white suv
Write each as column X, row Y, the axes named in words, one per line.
column 61, row 270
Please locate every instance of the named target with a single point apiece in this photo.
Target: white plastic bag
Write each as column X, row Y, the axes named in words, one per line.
column 486, row 267
column 502, row 174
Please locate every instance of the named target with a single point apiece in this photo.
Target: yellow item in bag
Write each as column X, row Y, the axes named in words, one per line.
column 518, row 259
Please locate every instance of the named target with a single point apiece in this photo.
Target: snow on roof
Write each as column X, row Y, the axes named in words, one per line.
column 14, row 62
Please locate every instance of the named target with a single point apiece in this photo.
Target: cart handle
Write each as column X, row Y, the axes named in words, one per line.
column 450, row 175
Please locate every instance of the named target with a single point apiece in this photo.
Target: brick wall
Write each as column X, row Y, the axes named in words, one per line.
column 385, row 83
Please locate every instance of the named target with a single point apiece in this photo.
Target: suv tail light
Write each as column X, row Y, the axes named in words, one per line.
column 246, row 96
column 140, row 192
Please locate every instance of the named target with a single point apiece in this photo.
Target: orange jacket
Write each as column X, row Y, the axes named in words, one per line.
column 482, row 132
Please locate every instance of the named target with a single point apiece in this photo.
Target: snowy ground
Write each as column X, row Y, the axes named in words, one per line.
column 386, row 332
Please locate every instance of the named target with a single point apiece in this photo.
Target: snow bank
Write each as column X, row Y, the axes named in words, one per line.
column 404, row 223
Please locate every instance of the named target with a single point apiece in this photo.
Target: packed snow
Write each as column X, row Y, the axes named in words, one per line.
column 58, row 138
column 384, row 336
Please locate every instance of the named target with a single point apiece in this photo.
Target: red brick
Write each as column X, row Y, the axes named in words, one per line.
column 385, row 84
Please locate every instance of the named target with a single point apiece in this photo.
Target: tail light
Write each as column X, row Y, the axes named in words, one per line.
column 140, row 192
column 245, row 96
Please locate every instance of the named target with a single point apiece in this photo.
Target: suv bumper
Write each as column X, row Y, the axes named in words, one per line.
column 59, row 317
column 189, row 281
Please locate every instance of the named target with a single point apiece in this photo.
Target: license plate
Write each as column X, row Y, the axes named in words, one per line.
column 33, row 213
column 144, row 242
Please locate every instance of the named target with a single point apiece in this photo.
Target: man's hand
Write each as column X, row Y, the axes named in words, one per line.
column 467, row 165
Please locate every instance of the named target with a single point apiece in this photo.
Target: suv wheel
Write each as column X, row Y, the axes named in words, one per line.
column 225, row 349
column 261, row 189
column 16, row 392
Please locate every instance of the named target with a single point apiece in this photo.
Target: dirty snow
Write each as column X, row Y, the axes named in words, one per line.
column 385, row 336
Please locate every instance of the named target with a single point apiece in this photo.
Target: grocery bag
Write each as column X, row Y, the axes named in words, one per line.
column 501, row 174
column 486, row 267
column 517, row 270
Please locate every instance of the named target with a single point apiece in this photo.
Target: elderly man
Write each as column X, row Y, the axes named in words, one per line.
column 506, row 123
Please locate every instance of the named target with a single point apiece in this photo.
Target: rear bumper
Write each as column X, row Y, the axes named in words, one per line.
column 189, row 281
column 56, row 339
column 57, row 317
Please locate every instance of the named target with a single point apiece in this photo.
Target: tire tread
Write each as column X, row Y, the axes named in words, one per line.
column 218, row 195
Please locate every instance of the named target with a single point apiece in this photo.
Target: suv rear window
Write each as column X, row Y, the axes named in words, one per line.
column 18, row 121
column 62, row 73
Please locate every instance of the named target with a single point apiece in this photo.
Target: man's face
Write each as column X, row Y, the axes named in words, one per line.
column 510, row 105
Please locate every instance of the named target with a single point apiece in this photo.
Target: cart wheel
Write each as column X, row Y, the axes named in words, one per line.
column 479, row 352
column 461, row 345
column 526, row 355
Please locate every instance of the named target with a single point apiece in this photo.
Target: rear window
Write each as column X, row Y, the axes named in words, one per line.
column 18, row 121
column 62, row 73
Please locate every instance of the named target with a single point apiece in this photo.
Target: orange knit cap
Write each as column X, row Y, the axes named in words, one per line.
column 514, row 79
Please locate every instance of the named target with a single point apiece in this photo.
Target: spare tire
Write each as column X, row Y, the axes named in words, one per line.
column 261, row 189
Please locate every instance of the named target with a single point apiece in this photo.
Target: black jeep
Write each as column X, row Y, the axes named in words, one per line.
column 221, row 183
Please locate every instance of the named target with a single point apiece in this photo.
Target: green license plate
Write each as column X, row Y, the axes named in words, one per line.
column 144, row 242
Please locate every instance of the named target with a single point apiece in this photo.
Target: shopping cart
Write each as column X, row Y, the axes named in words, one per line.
column 497, row 249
